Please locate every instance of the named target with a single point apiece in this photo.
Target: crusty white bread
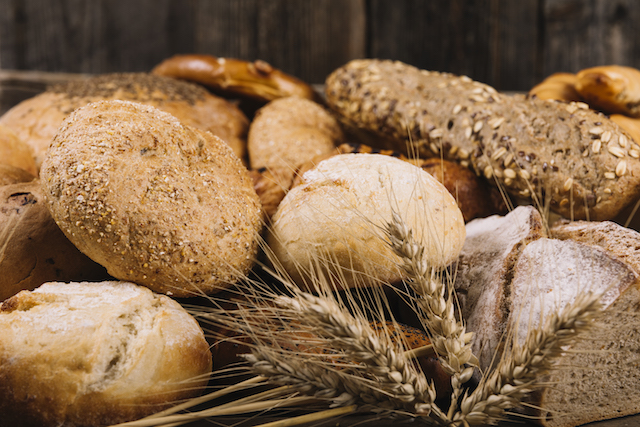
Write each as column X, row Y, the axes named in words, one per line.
column 95, row 354
column 540, row 273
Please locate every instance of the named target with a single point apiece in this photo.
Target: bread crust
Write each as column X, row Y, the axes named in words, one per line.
column 235, row 77
column 155, row 201
column 561, row 155
column 36, row 120
column 95, row 354
column 14, row 152
column 611, row 89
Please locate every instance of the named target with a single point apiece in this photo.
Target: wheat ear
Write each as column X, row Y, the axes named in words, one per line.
column 519, row 370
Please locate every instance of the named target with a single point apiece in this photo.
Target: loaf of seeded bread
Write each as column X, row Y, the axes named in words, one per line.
column 561, row 155
column 512, row 274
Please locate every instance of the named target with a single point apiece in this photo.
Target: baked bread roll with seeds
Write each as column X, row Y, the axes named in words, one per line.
column 512, row 274
column 33, row 250
column 611, row 89
column 156, row 202
column 335, row 216
column 96, row 354
column 37, row 119
column 562, row 155
column 14, row 152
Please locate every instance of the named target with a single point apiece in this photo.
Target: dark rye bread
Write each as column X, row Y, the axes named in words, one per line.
column 515, row 276
column 562, row 155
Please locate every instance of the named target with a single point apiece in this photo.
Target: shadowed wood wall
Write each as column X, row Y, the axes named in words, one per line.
column 510, row 44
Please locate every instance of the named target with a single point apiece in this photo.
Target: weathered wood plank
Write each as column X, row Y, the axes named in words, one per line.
column 580, row 34
column 303, row 38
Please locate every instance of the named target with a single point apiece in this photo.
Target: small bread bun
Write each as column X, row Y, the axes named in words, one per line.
column 339, row 210
column 14, row 152
column 156, row 202
column 96, row 354
column 37, row 119
column 611, row 89
column 33, row 250
column 558, row 86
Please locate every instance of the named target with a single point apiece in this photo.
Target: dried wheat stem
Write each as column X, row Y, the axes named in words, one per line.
column 313, row 417
column 447, row 332
column 520, row 369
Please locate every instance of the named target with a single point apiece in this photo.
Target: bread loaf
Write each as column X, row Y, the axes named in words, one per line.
column 558, row 86
column 512, row 274
column 33, row 250
column 37, row 119
column 610, row 88
column 96, row 354
column 156, row 202
column 575, row 161
column 14, row 152
column 334, row 218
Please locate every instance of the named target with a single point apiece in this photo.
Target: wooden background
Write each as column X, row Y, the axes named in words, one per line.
column 510, row 44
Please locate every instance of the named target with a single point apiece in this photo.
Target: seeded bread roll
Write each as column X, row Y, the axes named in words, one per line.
column 14, row 152
column 33, row 250
column 336, row 212
column 155, row 201
column 37, row 119
column 562, row 155
column 96, row 354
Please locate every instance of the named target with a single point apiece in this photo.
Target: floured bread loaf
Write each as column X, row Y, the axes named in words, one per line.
column 37, row 119
column 513, row 274
column 337, row 212
column 96, row 354
column 156, row 202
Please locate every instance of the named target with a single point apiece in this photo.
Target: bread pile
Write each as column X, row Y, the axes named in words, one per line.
column 147, row 184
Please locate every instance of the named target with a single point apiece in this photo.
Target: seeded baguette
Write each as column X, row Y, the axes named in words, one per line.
column 562, row 155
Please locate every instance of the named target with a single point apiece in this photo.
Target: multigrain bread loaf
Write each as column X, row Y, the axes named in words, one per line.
column 37, row 119
column 33, row 250
column 335, row 218
column 512, row 274
column 156, row 202
column 96, row 354
column 562, row 155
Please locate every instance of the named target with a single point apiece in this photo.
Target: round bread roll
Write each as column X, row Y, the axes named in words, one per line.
column 156, row 202
column 96, row 354
column 288, row 132
column 14, row 152
column 37, row 119
column 33, row 250
column 339, row 211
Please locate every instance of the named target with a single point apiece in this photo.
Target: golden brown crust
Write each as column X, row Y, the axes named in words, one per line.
column 14, row 152
column 156, row 202
column 32, row 247
column 95, row 354
column 257, row 80
column 288, row 132
column 611, row 89
column 13, row 175
column 558, row 86
column 36, row 120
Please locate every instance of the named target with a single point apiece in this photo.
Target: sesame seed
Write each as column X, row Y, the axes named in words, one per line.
column 621, row 168
column 508, row 181
column 564, row 202
column 495, row 123
column 488, row 172
column 453, row 150
column 508, row 159
column 436, row 133
column 606, row 136
column 571, row 108
column 607, row 191
column 582, row 105
column 464, row 163
column 568, row 184
column 635, row 154
column 622, row 141
column 477, row 126
column 467, row 132
column 457, row 109
column 463, row 154
column 477, row 98
column 499, row 153
column 525, row 192
column 596, row 130
column 610, row 175
column 524, row 174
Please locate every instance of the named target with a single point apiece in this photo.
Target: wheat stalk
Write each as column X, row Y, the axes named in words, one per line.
column 523, row 367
